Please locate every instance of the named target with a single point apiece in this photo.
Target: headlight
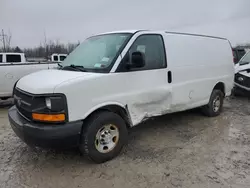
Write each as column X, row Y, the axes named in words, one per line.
column 53, row 109
column 241, row 79
column 55, row 103
column 48, row 102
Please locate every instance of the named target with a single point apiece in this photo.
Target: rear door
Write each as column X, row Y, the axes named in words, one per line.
column 146, row 89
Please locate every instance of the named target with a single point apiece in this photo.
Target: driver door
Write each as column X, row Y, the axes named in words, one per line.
column 146, row 89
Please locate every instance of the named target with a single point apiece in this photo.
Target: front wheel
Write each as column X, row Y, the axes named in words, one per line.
column 103, row 137
column 214, row 107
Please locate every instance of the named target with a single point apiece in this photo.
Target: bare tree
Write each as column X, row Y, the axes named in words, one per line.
column 46, row 48
column 6, row 40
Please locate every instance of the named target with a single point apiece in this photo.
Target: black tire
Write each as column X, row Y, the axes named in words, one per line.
column 4, row 98
column 209, row 109
column 92, row 126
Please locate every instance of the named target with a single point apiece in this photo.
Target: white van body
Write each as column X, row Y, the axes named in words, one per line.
column 195, row 65
column 14, row 66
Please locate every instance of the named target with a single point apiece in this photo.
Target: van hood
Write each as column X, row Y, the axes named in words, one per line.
column 245, row 72
column 45, row 81
column 239, row 67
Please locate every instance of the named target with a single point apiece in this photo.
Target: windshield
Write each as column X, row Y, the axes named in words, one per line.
column 98, row 52
column 245, row 59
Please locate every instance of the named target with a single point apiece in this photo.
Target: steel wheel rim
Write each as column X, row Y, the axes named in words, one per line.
column 216, row 104
column 107, row 138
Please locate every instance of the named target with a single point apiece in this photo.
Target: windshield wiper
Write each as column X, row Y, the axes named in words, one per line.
column 59, row 65
column 245, row 70
column 244, row 63
column 76, row 67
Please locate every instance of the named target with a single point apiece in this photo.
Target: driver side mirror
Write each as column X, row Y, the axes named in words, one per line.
column 137, row 60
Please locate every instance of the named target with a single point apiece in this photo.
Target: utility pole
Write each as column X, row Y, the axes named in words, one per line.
column 3, row 39
column 46, row 54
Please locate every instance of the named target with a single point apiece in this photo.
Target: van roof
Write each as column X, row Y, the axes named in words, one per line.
column 13, row 53
column 170, row 32
column 58, row 54
column 199, row 35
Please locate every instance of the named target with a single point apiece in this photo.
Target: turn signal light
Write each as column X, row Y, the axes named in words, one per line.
column 48, row 117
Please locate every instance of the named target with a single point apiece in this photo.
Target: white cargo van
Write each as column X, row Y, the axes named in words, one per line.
column 116, row 80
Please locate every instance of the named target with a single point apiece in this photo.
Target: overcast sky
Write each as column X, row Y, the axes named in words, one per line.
column 73, row 20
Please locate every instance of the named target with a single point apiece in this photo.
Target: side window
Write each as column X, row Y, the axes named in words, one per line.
column 1, row 58
column 62, row 57
column 55, row 58
column 11, row 58
column 152, row 46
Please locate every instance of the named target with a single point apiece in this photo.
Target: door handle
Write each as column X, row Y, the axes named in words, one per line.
column 169, row 77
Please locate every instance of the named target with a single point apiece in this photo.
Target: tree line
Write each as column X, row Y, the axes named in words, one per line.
column 47, row 48
column 43, row 51
column 240, row 46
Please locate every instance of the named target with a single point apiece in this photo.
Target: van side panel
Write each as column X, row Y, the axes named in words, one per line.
column 144, row 93
column 197, row 64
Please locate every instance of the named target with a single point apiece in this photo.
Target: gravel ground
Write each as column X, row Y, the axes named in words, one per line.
column 179, row 150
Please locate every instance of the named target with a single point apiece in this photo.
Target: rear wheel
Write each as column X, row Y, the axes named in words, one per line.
column 214, row 107
column 103, row 137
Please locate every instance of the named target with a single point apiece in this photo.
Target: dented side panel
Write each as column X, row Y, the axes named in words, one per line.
column 151, row 103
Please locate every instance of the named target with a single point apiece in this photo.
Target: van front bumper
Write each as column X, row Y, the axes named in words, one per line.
column 238, row 86
column 64, row 135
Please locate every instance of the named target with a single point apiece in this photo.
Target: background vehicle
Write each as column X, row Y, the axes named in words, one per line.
column 117, row 80
column 244, row 63
column 58, row 57
column 242, row 76
column 13, row 66
column 12, row 58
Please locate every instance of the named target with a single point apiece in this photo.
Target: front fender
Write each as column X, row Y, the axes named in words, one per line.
column 99, row 106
